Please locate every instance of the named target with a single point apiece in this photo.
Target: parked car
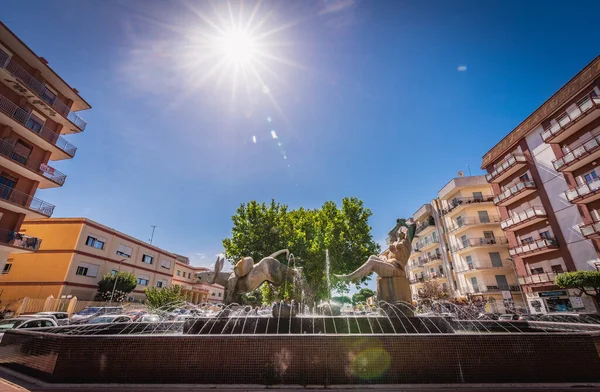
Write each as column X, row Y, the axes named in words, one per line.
column 112, row 318
column 488, row 316
column 89, row 313
column 530, row 317
column 25, row 322
column 149, row 318
column 62, row 318
column 584, row 318
column 137, row 314
column 508, row 317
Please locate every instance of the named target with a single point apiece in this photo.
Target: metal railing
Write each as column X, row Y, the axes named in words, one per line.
column 423, row 244
column 514, row 190
column 416, row 264
column 422, row 226
column 544, row 277
column 474, row 220
column 18, row 240
column 458, row 201
column 40, row 90
column 475, row 265
column 479, row 241
column 586, row 104
column 8, row 150
column 590, row 229
column 583, row 190
column 25, row 200
column 426, row 277
column 22, row 116
column 523, row 216
column 533, row 247
column 512, row 160
column 432, row 258
column 577, row 151
column 487, row 289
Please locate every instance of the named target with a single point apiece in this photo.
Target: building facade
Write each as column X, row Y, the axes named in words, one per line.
column 544, row 177
column 37, row 107
column 77, row 252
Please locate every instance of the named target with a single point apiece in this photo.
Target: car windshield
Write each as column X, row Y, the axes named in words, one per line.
column 88, row 311
column 10, row 324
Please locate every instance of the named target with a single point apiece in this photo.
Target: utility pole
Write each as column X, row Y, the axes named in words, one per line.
column 152, row 236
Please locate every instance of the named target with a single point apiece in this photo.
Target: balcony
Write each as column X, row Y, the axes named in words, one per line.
column 507, row 167
column 22, row 203
column 545, row 277
column 480, row 289
column 523, row 219
column 590, row 231
column 458, row 203
column 515, row 193
column 537, row 247
column 426, row 277
column 472, row 221
column 18, row 119
column 11, row 158
column 432, row 259
column 415, row 264
column 14, row 242
column 16, row 77
column 428, row 245
column 571, row 121
column 579, row 155
column 585, row 193
column 422, row 226
column 478, row 265
column 471, row 243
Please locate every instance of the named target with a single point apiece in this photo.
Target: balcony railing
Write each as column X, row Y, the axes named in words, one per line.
column 22, row 116
column 578, row 152
column 590, row 230
column 8, row 150
column 570, row 117
column 424, row 244
column 582, row 191
column 24, row 200
column 40, row 90
column 426, row 277
column 474, row 220
column 523, row 217
column 544, row 277
column 539, row 245
column 512, row 161
column 459, row 201
column 475, row 265
column 488, row 289
column 514, row 191
column 18, row 240
column 416, row 264
column 480, row 241
column 422, row 226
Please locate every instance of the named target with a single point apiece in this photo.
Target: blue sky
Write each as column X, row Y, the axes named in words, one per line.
column 366, row 99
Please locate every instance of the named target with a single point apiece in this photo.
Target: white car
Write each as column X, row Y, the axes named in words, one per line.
column 112, row 318
column 149, row 318
column 24, row 323
column 61, row 318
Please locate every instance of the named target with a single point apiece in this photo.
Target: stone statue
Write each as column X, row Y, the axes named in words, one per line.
column 247, row 276
column 398, row 252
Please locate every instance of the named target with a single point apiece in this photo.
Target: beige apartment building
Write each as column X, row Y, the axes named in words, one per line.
column 77, row 252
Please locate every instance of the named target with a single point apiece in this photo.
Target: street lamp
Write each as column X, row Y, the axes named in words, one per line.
column 512, row 263
column 116, row 280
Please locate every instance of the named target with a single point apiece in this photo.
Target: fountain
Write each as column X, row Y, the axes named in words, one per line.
column 389, row 344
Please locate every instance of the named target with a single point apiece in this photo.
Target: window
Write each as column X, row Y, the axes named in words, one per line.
column 545, row 235
column 6, row 268
column 502, row 282
column 496, row 259
column 95, row 242
column 21, row 152
column 469, row 260
column 557, row 269
column 483, row 217
column 489, row 237
column 165, row 264
column 86, row 269
column 178, row 273
column 159, row 284
column 464, row 241
column 143, row 280
column 590, row 177
column 213, row 294
column 147, row 259
column 124, row 250
column 538, row 270
column 7, row 184
column 219, row 294
column 524, row 177
column 34, row 123
column 527, row 240
column 477, row 196
column 434, row 236
column 48, row 96
column 475, row 284
column 459, row 221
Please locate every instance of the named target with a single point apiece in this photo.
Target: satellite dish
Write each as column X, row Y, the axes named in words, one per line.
column 461, row 173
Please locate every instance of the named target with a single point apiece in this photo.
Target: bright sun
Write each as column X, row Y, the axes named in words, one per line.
column 238, row 47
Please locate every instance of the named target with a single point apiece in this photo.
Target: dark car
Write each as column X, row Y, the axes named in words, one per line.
column 582, row 318
column 508, row 317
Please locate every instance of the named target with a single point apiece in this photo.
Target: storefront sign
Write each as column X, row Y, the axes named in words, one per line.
column 47, row 169
column 577, row 302
column 553, row 293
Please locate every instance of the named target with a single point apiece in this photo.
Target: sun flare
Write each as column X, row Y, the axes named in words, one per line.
column 237, row 46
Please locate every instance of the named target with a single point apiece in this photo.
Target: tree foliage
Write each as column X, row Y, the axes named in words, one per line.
column 342, row 299
column 260, row 229
column 588, row 282
column 164, row 298
column 362, row 295
column 432, row 291
column 126, row 283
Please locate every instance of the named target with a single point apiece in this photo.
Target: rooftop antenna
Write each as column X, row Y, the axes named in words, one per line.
column 469, row 167
column 152, row 236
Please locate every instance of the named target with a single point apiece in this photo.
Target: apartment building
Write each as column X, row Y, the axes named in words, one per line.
column 37, row 107
column 428, row 259
column 77, row 252
column 480, row 254
column 544, row 177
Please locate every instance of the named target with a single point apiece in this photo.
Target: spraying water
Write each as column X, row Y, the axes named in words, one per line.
column 327, row 274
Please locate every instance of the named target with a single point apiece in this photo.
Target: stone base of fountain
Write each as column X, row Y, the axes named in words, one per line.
column 393, row 290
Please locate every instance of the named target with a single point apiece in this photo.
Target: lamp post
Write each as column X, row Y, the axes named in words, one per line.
column 512, row 263
column 116, row 280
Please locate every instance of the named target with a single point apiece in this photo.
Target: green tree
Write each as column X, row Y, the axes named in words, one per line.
column 126, row 283
column 164, row 298
column 587, row 282
column 260, row 230
column 342, row 299
column 362, row 295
